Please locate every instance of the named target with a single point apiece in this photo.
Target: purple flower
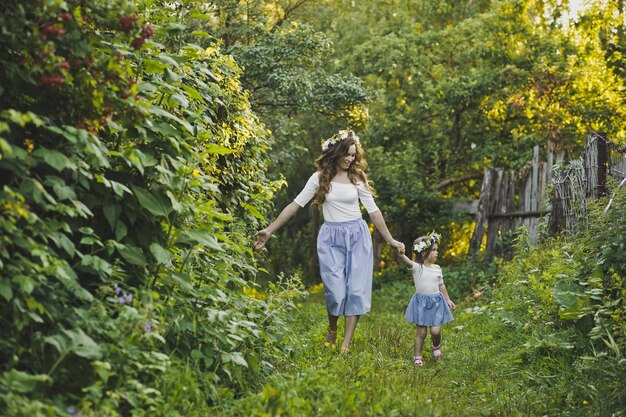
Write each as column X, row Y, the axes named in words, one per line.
column 126, row 298
column 148, row 326
column 74, row 412
column 118, row 289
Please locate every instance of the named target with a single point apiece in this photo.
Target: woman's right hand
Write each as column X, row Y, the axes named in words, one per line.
column 262, row 237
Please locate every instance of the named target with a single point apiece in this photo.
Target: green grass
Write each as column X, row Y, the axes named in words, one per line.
column 485, row 370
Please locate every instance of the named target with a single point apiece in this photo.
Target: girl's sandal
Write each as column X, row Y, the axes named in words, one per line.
column 418, row 361
column 344, row 350
column 332, row 335
column 437, row 353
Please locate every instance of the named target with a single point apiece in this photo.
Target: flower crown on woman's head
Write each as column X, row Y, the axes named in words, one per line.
column 338, row 137
column 426, row 242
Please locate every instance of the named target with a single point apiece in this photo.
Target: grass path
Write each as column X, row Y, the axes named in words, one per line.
column 482, row 372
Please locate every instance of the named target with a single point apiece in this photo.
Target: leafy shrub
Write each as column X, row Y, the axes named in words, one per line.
column 468, row 276
column 568, row 297
column 133, row 177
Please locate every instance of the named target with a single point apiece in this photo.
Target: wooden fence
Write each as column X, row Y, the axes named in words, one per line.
column 509, row 200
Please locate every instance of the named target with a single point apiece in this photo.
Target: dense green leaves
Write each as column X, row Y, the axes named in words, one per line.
column 570, row 292
column 133, row 177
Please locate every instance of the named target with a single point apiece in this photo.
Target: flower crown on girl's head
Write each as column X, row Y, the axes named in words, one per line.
column 338, row 137
column 426, row 242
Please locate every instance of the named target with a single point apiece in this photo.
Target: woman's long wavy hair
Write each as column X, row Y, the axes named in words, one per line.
column 327, row 163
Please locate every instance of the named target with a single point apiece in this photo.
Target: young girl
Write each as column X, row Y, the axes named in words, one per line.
column 430, row 305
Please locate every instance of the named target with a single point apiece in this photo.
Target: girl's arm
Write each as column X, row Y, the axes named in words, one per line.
column 405, row 260
column 264, row 235
column 379, row 222
column 444, row 291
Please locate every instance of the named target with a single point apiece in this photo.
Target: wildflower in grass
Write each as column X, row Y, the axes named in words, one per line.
column 148, row 326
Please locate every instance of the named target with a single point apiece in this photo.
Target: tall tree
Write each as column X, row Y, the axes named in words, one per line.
column 467, row 87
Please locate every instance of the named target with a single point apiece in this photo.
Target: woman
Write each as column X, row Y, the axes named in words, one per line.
column 344, row 243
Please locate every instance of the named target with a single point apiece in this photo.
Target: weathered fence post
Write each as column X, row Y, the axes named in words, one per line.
column 549, row 160
column 596, row 160
column 525, row 200
column 482, row 212
column 603, row 159
column 496, row 205
column 534, row 197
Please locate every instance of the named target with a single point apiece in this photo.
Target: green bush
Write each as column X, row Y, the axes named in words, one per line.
column 133, row 179
column 567, row 297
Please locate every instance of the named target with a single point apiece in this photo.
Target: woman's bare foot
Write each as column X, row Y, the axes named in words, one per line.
column 331, row 338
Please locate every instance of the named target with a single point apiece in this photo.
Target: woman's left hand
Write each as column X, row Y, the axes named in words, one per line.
column 451, row 304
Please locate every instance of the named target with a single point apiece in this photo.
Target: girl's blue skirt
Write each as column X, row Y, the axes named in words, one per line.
column 428, row 310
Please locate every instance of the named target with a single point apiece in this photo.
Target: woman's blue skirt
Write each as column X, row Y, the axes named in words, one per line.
column 346, row 266
column 428, row 310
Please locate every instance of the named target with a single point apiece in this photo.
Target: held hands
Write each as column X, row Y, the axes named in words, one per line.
column 398, row 246
column 262, row 237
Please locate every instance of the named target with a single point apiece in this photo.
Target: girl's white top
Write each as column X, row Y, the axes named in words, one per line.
column 426, row 278
column 342, row 201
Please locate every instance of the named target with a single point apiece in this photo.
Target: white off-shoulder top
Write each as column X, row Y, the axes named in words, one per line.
column 342, row 201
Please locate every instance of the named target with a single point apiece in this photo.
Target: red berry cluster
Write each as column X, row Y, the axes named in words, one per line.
column 65, row 16
column 52, row 80
column 51, row 30
column 127, row 23
column 147, row 32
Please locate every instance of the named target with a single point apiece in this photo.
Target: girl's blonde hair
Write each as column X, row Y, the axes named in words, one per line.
column 326, row 165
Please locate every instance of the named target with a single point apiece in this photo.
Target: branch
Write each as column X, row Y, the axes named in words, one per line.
column 463, row 178
column 286, row 12
column 515, row 214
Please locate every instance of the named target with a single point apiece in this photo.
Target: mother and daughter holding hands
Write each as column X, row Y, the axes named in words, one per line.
column 344, row 247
